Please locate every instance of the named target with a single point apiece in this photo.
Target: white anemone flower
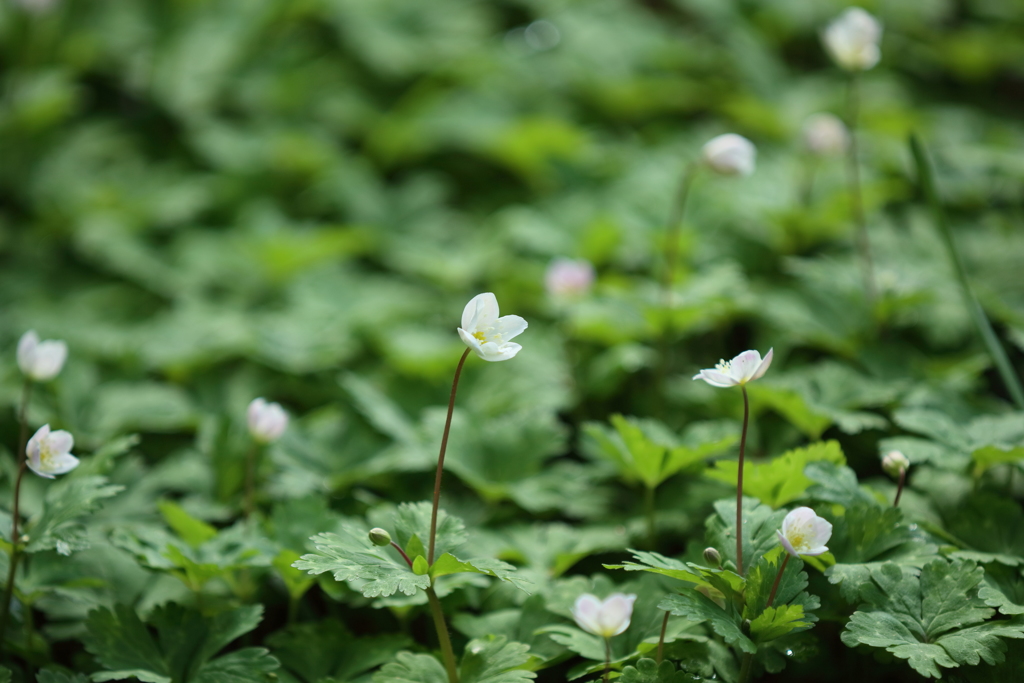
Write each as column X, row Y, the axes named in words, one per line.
column 804, row 533
column 606, row 618
column 744, row 368
column 825, row 135
column 852, row 40
column 267, row 421
column 569, row 278
column 49, row 453
column 730, row 154
column 40, row 361
column 486, row 333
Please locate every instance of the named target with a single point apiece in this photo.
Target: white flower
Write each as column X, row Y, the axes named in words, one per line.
column 40, row 361
column 267, row 421
column 825, row 135
column 730, row 154
column 852, row 40
column 744, row 368
column 804, row 533
column 49, row 453
column 568, row 278
column 606, row 619
column 486, row 333
column 895, row 463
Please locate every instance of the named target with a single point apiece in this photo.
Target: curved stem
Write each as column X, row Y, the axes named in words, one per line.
column 778, row 578
column 607, row 659
column 746, row 667
column 5, row 608
column 402, row 553
column 250, row 480
column 899, row 487
column 447, row 653
column 661, row 638
column 440, row 457
column 856, row 196
column 739, row 484
column 649, row 511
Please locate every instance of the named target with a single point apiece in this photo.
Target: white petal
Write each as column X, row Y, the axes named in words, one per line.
column 49, row 359
column 743, row 366
column 497, row 352
column 616, row 613
column 60, row 441
column 471, row 341
column 34, row 465
column 510, row 326
column 35, row 444
column 480, row 312
column 27, row 351
column 62, row 463
column 763, row 367
column 587, row 612
column 715, row 378
column 787, row 545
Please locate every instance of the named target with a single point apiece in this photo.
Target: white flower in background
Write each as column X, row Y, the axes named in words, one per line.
column 744, row 368
column 604, row 618
column 568, row 278
column 895, row 463
column 804, row 533
column 852, row 40
column 825, row 135
column 486, row 333
column 267, row 421
column 730, row 154
column 36, row 6
column 49, row 453
column 40, row 360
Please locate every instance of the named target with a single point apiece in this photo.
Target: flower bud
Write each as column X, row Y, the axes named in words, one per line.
column 852, row 40
column 380, row 537
column 825, row 135
column 40, row 360
column 730, row 154
column 267, row 421
column 712, row 557
column 568, row 278
column 895, row 463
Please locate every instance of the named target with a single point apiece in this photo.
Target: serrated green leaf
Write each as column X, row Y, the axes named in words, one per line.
column 121, row 642
column 775, row 622
column 836, row 484
column 67, row 500
column 989, row 528
column 349, row 555
column 1003, row 588
column 698, row 607
column 781, row 480
column 322, row 649
column 410, row 668
column 649, row 671
column 449, row 564
column 48, row 676
column 412, row 520
column 760, row 523
column 494, row 660
column 193, row 531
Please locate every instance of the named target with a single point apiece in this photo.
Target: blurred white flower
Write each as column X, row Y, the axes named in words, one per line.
column 825, row 135
column 852, row 40
column 804, row 533
column 604, row 618
column 744, row 368
column 895, row 463
column 487, row 334
column 568, row 278
column 40, row 360
column 267, row 421
column 730, row 154
column 36, row 6
column 49, row 453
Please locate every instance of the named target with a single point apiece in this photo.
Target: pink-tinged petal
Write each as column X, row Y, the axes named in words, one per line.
column 35, row 444
column 34, row 465
column 763, row 367
column 785, row 544
column 510, row 326
column 616, row 613
column 61, row 441
column 63, row 464
column 587, row 611
column 716, row 378
column 743, row 366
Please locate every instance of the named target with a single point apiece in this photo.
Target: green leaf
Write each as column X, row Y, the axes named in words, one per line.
column 649, row 671
column 726, row 581
column 780, row 480
column 449, row 564
column 933, row 621
column 987, row 457
column 760, row 523
column 351, row 556
column 494, row 660
column 791, row 405
column 836, row 484
column 761, row 578
column 410, row 668
column 47, row 676
column 698, row 607
column 989, row 528
column 776, row 622
column 67, row 500
column 122, row 643
column 326, row 648
column 295, row 581
column 412, row 521
column 1003, row 588
column 193, row 531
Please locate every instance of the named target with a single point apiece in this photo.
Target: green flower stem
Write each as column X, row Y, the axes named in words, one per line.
column 447, row 653
column 739, row 483
column 810, row 166
column 778, row 578
column 854, row 186
column 402, row 553
column 746, row 668
column 661, row 638
column 652, row 529
column 988, row 335
column 250, row 480
column 607, row 659
column 5, row 608
column 899, row 487
column 440, row 463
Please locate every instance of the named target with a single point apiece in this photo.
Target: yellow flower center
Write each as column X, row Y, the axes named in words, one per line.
column 480, row 336
column 797, row 539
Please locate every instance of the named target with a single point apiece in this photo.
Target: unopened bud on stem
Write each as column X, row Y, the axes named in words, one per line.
column 895, row 463
column 712, row 557
column 380, row 537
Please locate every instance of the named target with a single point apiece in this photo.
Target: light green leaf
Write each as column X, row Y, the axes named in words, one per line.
column 67, row 500
column 449, row 564
column 698, row 607
column 193, row 531
column 776, row 622
column 351, row 556
column 780, row 480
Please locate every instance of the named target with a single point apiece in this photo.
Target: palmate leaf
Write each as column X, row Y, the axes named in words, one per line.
column 349, row 555
column 1003, row 588
column 780, row 480
column 318, row 650
column 791, row 589
column 449, row 564
column 728, row 582
column 760, row 523
column 67, row 500
column 836, row 484
column 487, row 660
column 989, row 528
column 775, row 622
column 412, row 530
column 649, row 671
column 726, row 621
column 932, row 622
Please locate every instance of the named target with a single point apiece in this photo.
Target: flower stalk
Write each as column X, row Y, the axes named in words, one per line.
column 440, row 457
column 447, row 653
column 661, row 638
column 778, row 578
column 854, row 188
column 739, row 483
column 5, row 608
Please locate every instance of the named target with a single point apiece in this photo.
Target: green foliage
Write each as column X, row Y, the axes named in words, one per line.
column 66, row 502
column 492, row 660
column 649, row 671
column 760, row 524
column 781, row 480
column 933, row 621
column 350, row 556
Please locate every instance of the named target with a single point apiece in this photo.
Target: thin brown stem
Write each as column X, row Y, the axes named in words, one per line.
column 440, row 457
column 661, row 638
column 402, row 553
column 5, row 608
column 739, row 484
column 899, row 487
column 447, row 653
column 607, row 659
column 649, row 513
column 778, row 578
column 250, row 480
column 856, row 194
